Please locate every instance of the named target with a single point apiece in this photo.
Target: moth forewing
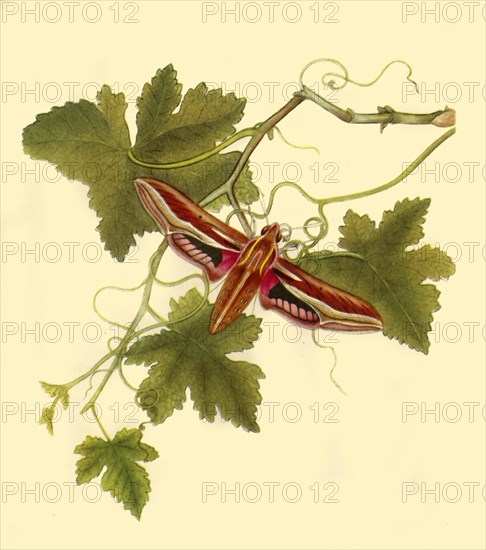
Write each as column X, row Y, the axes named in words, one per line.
column 336, row 308
column 173, row 211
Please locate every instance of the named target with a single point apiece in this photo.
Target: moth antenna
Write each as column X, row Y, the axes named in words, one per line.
column 287, row 229
column 286, row 232
column 313, row 224
column 292, row 246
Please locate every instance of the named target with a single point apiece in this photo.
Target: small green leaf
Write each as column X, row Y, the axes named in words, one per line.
column 47, row 418
column 187, row 355
column 124, row 478
column 59, row 393
column 381, row 268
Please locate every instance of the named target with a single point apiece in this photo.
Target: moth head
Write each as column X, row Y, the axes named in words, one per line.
column 273, row 230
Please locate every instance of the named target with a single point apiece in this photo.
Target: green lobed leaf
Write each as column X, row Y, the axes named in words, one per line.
column 188, row 356
column 382, row 269
column 124, row 478
column 204, row 117
column 89, row 142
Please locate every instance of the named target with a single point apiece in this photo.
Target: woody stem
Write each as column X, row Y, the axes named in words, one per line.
column 384, row 117
column 228, row 186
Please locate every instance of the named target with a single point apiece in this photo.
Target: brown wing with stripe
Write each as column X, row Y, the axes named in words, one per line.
column 312, row 303
column 192, row 233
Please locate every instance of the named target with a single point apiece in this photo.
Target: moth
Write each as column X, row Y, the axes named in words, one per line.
column 250, row 265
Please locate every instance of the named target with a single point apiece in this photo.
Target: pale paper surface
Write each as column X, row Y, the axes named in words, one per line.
column 370, row 452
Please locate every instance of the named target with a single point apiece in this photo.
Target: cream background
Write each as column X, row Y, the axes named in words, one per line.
column 370, row 452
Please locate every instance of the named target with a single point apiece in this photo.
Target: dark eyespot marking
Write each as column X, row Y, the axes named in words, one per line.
column 199, row 251
column 283, row 299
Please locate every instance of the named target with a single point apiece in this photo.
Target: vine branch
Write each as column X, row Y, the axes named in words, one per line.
column 260, row 132
column 385, row 115
column 142, row 310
